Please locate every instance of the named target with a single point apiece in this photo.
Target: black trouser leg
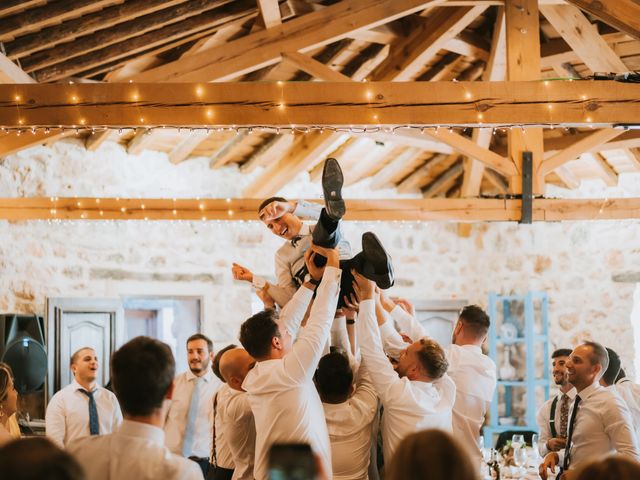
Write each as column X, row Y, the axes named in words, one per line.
column 326, row 234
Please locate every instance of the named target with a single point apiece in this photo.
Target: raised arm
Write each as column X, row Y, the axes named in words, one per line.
column 407, row 322
column 301, row 362
column 293, row 312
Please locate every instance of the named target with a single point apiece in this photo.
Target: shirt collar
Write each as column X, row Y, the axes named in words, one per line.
column 571, row 393
column 207, row 376
column 129, row 428
column 590, row 390
column 77, row 386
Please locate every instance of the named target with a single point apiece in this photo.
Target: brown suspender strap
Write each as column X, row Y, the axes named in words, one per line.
column 214, row 460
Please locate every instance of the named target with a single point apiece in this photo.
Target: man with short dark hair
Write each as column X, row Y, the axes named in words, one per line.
column 83, row 407
column 599, row 421
column 418, row 394
column 473, row 372
column 190, row 417
column 350, row 411
column 284, row 401
column 615, row 379
column 553, row 415
column 142, row 373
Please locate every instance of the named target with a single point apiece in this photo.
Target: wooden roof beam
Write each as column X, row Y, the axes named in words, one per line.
column 422, row 176
column 621, row 14
column 604, row 171
column 307, row 150
column 583, row 37
column 391, row 171
column 578, row 148
column 409, row 55
column 264, row 48
column 11, row 73
column 313, row 67
column 444, row 181
column 270, row 13
column 10, row 7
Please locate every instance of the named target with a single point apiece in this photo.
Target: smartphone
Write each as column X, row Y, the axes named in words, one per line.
column 292, row 461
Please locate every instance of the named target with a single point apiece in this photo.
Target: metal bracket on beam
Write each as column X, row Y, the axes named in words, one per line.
column 527, row 188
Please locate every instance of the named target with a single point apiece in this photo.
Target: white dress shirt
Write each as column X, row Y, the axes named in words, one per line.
column 240, row 433
column 224, row 458
column 630, row 393
column 409, row 405
column 177, row 416
column 543, row 417
column 67, row 416
column 284, row 400
column 350, row 426
column 603, row 425
column 135, row 451
column 474, row 374
column 289, row 258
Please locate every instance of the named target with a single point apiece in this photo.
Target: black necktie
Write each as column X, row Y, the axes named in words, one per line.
column 567, row 451
column 295, row 240
column 94, row 426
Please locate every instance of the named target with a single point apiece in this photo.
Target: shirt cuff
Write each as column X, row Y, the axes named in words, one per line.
column 331, row 274
column 259, row 282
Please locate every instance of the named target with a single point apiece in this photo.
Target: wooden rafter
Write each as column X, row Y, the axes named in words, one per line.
column 307, row 150
column 578, row 148
column 583, row 37
column 394, row 170
column 314, row 67
column 184, row 147
column 621, row 14
column 410, row 54
column 270, row 151
column 264, row 48
column 9, row 7
column 270, row 13
column 224, row 155
column 603, row 169
column 445, row 209
column 496, row 70
column 342, row 104
column 444, row 181
column 11, row 73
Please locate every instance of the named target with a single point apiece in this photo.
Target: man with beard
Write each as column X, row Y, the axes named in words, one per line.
column 190, row 417
column 553, row 416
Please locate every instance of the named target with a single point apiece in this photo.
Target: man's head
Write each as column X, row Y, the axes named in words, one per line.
column 215, row 365
column 334, row 378
column 199, row 353
column 287, row 226
column 37, row 458
column 586, row 364
column 559, row 366
column 142, row 373
column 423, row 360
column 234, row 366
column 84, row 365
column 612, row 371
column 472, row 326
column 263, row 338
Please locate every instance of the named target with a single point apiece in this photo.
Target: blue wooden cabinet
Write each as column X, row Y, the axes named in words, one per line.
column 518, row 324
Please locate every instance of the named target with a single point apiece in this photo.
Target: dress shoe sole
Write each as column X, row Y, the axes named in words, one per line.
column 332, row 181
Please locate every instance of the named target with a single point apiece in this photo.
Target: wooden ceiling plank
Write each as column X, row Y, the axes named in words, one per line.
column 621, row 14
column 270, row 13
column 95, row 140
column 386, row 174
column 585, row 144
column 468, row 147
column 314, row 67
column 496, row 180
column 409, row 55
column 11, row 7
column 421, row 177
column 13, row 142
column 50, row 14
column 135, row 36
column 583, row 37
column 370, row 64
column 90, row 23
column 273, row 149
column 603, row 169
column 444, row 181
column 523, row 63
column 496, row 70
column 364, row 164
column 225, row 154
column 264, row 48
column 307, row 150
column 181, row 151
column 141, row 141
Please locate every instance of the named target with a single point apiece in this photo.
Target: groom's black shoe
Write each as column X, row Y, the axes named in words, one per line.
column 375, row 263
column 332, row 181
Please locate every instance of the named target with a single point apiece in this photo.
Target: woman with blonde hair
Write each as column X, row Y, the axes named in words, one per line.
column 12, row 425
column 615, row 466
column 432, row 454
column 8, row 405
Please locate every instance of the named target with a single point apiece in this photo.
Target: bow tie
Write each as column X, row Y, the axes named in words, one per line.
column 295, row 240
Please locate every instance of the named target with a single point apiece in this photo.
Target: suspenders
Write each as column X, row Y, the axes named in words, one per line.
column 552, row 418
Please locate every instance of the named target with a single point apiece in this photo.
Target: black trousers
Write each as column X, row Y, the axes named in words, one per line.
column 219, row 473
column 203, row 463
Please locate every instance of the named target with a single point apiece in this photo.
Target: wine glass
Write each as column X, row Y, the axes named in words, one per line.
column 517, row 441
column 520, row 457
column 534, row 446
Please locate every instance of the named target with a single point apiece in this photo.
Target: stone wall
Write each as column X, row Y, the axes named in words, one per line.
column 574, row 262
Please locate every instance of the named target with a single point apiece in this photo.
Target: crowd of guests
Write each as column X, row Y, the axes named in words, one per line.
column 333, row 363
